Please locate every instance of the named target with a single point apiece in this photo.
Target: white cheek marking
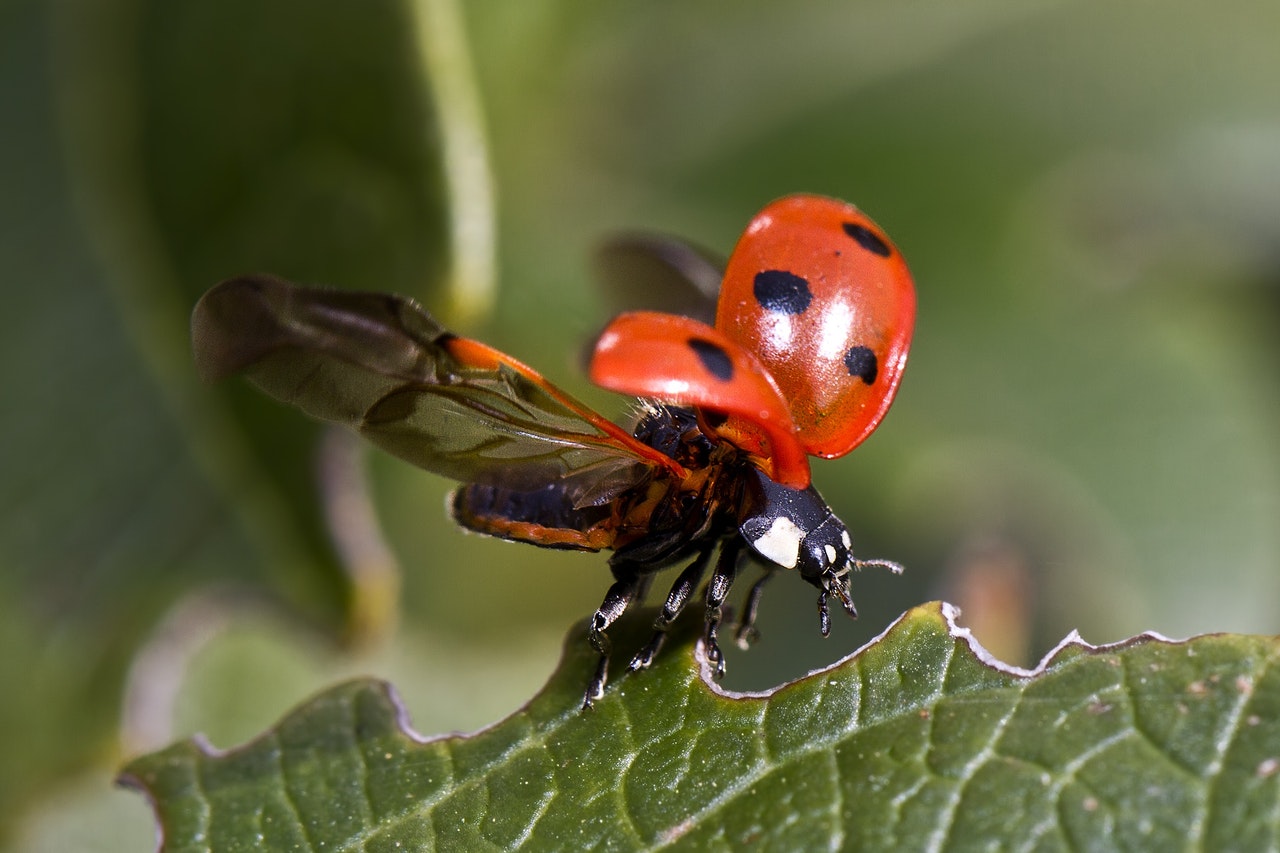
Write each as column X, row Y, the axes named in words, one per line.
column 844, row 537
column 781, row 543
column 831, row 553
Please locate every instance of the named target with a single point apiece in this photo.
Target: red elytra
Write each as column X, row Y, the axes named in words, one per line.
column 817, row 299
column 822, row 297
column 674, row 358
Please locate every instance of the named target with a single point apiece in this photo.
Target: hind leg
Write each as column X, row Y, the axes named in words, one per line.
column 630, row 583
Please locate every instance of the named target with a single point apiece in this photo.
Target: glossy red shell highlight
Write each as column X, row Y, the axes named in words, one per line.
column 825, row 302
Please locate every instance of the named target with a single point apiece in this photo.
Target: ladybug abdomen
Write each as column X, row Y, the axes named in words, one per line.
column 546, row 517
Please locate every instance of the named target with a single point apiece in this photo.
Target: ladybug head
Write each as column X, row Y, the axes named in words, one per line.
column 795, row 529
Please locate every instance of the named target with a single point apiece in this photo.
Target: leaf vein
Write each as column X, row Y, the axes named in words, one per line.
column 206, row 808
column 946, row 818
column 1131, row 693
column 1069, row 773
column 544, row 805
column 1213, row 771
column 287, row 791
column 837, row 804
column 753, row 774
column 619, row 791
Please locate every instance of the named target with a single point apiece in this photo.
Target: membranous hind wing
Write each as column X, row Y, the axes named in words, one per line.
column 383, row 366
column 657, row 272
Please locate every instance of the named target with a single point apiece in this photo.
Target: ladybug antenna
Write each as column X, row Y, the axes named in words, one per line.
column 838, row 582
column 896, row 568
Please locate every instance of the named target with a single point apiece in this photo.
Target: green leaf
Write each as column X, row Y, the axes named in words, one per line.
column 918, row 741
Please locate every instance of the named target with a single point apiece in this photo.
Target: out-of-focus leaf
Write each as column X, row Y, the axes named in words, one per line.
column 918, row 741
column 206, row 141
column 148, row 149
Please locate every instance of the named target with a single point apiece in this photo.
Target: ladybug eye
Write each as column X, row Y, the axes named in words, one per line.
column 862, row 363
column 782, row 292
column 868, row 239
column 713, row 358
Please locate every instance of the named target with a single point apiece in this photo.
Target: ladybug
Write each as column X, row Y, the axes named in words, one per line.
column 812, row 327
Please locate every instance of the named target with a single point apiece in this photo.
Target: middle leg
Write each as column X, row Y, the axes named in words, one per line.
column 677, row 598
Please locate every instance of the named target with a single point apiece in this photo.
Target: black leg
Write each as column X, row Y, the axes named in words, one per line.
column 625, row 590
column 824, row 616
column 747, row 633
column 717, row 591
column 832, row 585
column 677, row 598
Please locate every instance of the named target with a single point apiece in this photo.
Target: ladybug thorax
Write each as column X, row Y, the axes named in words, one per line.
column 704, row 500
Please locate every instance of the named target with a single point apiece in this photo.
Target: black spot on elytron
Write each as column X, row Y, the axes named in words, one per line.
column 868, row 239
column 861, row 362
column 782, row 292
column 713, row 358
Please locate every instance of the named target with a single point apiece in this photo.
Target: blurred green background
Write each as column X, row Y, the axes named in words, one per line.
column 1088, row 435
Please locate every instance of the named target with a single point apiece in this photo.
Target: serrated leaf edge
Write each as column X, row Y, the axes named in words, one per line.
column 950, row 614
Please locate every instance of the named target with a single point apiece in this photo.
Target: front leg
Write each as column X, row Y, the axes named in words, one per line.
column 747, row 632
column 717, row 591
column 831, row 584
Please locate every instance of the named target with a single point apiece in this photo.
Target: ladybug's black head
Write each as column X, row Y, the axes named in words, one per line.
column 795, row 529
